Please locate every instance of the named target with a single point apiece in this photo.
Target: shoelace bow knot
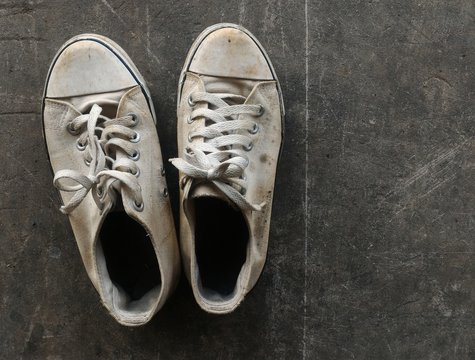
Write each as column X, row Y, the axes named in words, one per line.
column 101, row 179
column 220, row 158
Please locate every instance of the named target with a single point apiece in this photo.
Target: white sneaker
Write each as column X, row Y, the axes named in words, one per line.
column 230, row 114
column 99, row 127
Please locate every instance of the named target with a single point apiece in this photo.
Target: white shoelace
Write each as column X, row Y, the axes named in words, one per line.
column 114, row 134
column 221, row 157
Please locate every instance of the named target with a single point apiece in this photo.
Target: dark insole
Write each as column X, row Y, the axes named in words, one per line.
column 130, row 256
column 221, row 240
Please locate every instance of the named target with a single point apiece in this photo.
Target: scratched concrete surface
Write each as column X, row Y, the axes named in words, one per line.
column 372, row 248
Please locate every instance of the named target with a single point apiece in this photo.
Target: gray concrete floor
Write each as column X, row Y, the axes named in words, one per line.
column 372, row 249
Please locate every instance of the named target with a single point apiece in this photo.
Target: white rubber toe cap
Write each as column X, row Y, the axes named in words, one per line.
column 87, row 67
column 229, row 52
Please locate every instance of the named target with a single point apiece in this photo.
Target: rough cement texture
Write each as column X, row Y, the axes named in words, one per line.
column 372, row 248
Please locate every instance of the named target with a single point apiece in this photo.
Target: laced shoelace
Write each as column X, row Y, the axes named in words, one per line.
column 100, row 138
column 221, row 158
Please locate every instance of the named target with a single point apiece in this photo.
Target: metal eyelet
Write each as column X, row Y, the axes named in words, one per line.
column 254, row 129
column 80, row 147
column 189, row 119
column 261, row 110
column 165, row 192
column 243, row 177
column 136, row 172
column 135, row 119
column 249, row 147
column 99, row 192
column 87, row 162
column 136, row 138
column 182, row 182
column 162, row 171
column 191, row 103
column 243, row 191
column 71, row 130
column 190, row 139
column 138, row 207
column 135, row 156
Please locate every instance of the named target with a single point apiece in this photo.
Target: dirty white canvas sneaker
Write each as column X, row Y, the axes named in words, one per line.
column 230, row 114
column 99, row 127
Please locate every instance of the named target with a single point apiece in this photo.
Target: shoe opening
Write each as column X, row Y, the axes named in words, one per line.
column 221, row 240
column 129, row 255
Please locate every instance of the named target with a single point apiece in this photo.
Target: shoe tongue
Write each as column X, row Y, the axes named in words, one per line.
column 206, row 190
column 209, row 190
column 118, row 206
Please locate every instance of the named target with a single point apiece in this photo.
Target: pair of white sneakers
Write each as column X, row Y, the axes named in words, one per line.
column 100, row 131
